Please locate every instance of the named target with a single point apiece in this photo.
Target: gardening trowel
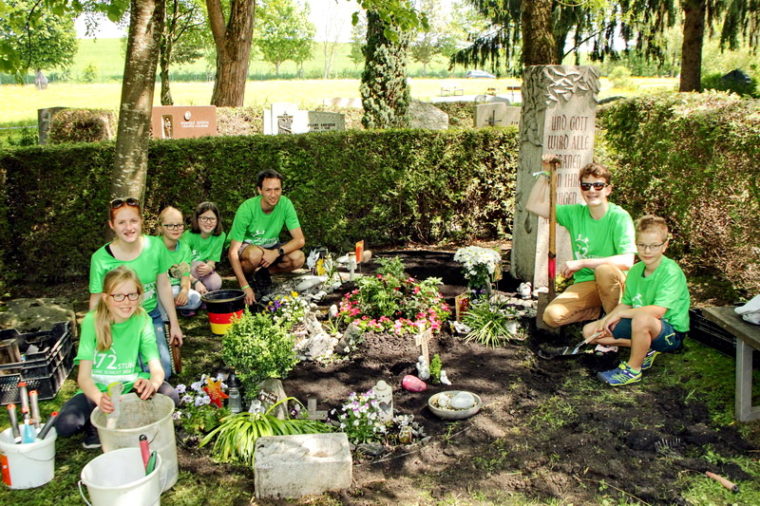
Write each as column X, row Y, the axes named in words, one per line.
column 567, row 351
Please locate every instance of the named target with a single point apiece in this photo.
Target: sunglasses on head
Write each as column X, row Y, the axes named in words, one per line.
column 117, row 203
column 597, row 186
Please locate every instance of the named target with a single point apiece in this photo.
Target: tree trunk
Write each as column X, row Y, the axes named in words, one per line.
column 539, row 47
column 233, row 47
column 166, row 93
column 167, row 44
column 131, row 157
column 691, row 49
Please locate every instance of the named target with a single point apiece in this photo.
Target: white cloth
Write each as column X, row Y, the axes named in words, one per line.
column 750, row 312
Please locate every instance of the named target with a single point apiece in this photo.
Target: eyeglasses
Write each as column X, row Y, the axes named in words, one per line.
column 117, row 203
column 119, row 297
column 174, row 226
column 650, row 247
column 207, row 219
column 597, row 186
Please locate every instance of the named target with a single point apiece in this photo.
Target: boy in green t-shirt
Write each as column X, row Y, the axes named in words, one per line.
column 654, row 314
column 603, row 248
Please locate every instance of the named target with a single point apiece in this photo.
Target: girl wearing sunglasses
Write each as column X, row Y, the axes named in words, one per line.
column 171, row 225
column 149, row 258
column 114, row 338
column 206, row 240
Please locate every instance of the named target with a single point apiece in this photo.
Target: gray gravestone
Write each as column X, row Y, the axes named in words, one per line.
column 285, row 118
column 270, row 393
column 496, row 114
column 44, row 120
column 423, row 115
column 325, row 121
column 558, row 117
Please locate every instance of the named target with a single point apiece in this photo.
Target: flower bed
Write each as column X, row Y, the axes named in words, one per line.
column 387, row 303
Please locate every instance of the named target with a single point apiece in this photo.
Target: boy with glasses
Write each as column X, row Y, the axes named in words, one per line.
column 602, row 240
column 654, row 314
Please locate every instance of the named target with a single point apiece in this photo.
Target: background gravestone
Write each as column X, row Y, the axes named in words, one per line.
column 183, row 121
column 423, row 115
column 558, row 117
column 325, row 121
column 496, row 114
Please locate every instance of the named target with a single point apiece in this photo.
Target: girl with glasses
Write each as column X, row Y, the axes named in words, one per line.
column 206, row 239
column 149, row 259
column 171, row 225
column 114, row 338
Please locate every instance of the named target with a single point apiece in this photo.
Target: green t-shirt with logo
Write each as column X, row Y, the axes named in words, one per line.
column 181, row 258
column 254, row 226
column 152, row 261
column 204, row 249
column 665, row 287
column 131, row 339
column 612, row 234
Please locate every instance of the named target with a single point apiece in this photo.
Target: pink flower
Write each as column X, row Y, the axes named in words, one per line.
column 416, row 290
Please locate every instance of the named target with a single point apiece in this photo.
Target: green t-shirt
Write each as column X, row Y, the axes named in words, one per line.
column 130, row 339
column 206, row 249
column 611, row 235
column 665, row 287
column 253, row 225
column 152, row 261
column 181, row 258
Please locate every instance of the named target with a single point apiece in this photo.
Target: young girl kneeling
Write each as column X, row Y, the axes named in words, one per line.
column 206, row 239
column 114, row 338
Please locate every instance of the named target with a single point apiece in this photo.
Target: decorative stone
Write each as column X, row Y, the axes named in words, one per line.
column 32, row 315
column 271, row 392
column 424, row 115
column 309, row 281
column 294, row 466
column 462, row 400
column 445, row 379
column 413, row 384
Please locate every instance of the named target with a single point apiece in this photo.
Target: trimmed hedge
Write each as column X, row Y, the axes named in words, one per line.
column 692, row 159
column 387, row 187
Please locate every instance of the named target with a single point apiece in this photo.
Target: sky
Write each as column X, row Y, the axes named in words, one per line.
column 331, row 18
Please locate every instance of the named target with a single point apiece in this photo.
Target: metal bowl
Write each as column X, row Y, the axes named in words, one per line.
column 449, row 413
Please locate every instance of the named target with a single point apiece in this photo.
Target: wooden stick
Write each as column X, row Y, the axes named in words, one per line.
column 552, row 162
column 733, row 487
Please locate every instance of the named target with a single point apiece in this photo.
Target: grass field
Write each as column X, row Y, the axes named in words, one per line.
column 19, row 104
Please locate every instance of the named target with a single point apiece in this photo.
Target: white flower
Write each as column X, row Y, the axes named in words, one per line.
column 187, row 399
column 180, row 389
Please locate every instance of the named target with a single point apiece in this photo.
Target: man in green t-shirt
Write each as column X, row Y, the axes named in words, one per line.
column 255, row 247
column 603, row 248
column 654, row 313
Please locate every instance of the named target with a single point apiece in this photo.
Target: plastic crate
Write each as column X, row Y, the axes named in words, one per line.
column 44, row 370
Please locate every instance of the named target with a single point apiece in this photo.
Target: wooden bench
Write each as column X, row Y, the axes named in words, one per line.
column 747, row 339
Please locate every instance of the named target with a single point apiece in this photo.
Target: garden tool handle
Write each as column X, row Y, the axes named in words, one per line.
column 733, row 487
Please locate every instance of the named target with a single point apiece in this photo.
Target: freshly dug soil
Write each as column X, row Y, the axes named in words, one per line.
column 536, row 434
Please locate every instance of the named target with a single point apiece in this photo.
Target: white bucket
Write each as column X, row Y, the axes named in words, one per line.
column 27, row 465
column 152, row 418
column 118, row 478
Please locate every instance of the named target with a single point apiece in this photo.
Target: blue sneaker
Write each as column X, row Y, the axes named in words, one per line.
column 621, row 375
column 649, row 359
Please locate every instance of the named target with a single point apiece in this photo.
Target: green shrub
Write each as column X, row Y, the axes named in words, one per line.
column 82, row 125
column 620, row 77
column 692, row 159
column 90, row 73
column 258, row 349
column 715, row 81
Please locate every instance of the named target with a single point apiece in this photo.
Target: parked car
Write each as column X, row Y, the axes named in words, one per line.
column 479, row 74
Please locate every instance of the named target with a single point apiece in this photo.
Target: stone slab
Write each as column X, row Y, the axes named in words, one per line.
column 288, row 467
column 33, row 315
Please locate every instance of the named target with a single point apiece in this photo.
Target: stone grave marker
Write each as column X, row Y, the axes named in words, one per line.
column 496, row 114
column 558, row 117
column 270, row 393
column 183, row 122
column 424, row 115
column 325, row 121
column 313, row 412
